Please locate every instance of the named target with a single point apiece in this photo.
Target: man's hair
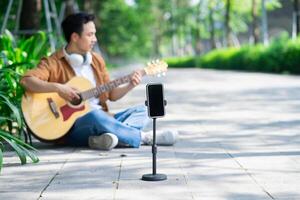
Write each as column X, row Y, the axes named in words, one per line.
column 74, row 24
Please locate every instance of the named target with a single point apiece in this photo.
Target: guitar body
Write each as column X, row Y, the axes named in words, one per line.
column 46, row 124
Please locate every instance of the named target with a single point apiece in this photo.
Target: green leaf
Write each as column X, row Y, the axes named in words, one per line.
column 35, row 46
column 1, row 146
column 17, row 64
column 15, row 109
column 5, row 119
column 6, row 43
column 1, row 159
column 30, row 154
column 9, row 80
column 24, row 44
column 9, row 35
column 22, row 149
column 17, row 149
column 17, row 140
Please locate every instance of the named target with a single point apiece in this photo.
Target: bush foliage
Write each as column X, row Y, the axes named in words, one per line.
column 281, row 56
column 16, row 57
column 188, row 61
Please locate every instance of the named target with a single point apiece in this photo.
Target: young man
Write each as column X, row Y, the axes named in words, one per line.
column 96, row 129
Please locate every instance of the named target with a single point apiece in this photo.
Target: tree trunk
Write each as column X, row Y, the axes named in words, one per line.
column 71, row 7
column 296, row 19
column 173, row 32
column 264, row 23
column 227, row 24
column 198, row 47
column 88, row 6
column 30, row 17
column 93, row 7
column 157, row 33
column 156, row 43
column 212, row 28
column 255, row 30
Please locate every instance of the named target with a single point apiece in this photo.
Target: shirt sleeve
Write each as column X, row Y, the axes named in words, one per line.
column 103, row 70
column 42, row 71
column 106, row 77
column 105, row 74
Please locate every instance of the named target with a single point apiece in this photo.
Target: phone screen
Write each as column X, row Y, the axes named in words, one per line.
column 155, row 99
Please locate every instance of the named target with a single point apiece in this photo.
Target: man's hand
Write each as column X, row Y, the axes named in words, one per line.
column 66, row 92
column 136, row 78
column 119, row 92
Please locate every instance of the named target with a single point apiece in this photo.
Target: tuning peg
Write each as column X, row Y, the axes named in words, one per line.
column 158, row 75
column 163, row 74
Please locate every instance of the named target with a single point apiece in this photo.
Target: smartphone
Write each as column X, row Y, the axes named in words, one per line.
column 155, row 100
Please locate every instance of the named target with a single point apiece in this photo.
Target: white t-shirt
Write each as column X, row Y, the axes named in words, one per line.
column 86, row 71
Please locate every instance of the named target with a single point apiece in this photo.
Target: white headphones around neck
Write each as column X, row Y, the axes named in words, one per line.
column 77, row 60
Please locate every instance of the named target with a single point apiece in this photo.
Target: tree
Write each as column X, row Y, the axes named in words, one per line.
column 88, row 6
column 227, row 23
column 254, row 29
column 173, row 28
column 296, row 19
column 70, row 7
column 197, row 45
column 212, row 26
column 30, row 16
column 264, row 21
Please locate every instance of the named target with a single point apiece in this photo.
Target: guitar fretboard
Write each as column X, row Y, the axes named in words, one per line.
column 95, row 92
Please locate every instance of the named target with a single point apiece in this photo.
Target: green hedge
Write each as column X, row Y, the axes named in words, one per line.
column 186, row 62
column 281, row 56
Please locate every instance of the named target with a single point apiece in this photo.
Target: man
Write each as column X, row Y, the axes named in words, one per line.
column 97, row 128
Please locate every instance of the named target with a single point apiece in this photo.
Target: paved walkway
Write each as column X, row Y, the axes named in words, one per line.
column 239, row 139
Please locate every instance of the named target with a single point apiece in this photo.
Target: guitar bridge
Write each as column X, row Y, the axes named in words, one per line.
column 53, row 107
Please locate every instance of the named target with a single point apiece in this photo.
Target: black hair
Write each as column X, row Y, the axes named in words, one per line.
column 74, row 23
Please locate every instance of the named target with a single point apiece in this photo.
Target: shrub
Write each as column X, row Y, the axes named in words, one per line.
column 186, row 62
column 16, row 58
column 281, row 56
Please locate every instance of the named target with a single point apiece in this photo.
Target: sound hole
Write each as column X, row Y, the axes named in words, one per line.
column 75, row 101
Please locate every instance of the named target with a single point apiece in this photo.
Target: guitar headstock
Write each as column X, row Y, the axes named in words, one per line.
column 156, row 67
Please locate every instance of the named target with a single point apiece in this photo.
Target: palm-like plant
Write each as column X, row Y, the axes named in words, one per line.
column 16, row 58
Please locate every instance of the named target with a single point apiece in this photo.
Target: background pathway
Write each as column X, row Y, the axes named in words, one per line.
column 239, row 139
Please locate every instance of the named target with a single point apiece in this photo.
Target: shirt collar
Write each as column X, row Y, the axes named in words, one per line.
column 60, row 53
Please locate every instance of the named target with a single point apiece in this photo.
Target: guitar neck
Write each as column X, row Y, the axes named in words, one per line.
column 95, row 92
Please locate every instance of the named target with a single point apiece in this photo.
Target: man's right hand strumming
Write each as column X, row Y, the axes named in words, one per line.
column 66, row 92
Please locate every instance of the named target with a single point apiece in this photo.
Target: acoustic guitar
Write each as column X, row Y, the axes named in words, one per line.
column 49, row 117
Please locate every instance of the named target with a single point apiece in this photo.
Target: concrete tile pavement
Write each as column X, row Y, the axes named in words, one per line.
column 239, row 139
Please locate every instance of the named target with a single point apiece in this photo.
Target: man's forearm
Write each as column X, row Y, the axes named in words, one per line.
column 34, row 84
column 119, row 92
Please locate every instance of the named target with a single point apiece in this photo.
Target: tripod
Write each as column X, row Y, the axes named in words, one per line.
column 154, row 176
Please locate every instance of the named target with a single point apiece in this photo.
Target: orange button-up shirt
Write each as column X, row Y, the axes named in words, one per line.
column 55, row 68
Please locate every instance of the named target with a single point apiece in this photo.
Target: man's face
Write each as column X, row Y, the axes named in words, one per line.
column 87, row 39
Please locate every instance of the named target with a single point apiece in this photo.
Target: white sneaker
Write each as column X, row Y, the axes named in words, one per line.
column 166, row 138
column 106, row 141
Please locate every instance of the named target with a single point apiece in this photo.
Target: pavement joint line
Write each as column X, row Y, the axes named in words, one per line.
column 242, row 167
column 117, row 182
column 53, row 177
column 246, row 171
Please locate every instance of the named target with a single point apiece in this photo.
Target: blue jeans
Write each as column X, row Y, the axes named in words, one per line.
column 126, row 125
